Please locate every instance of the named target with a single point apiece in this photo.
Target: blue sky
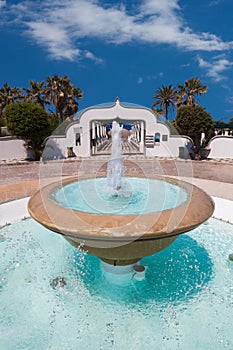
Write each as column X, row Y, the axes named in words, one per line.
column 121, row 48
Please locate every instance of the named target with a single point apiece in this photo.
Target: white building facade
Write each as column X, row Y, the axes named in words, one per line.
column 86, row 136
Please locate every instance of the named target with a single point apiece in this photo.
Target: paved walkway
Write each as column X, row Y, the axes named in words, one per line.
column 128, row 147
column 21, row 180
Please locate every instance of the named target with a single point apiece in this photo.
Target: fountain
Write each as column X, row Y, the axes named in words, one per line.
column 52, row 294
column 115, row 166
column 120, row 238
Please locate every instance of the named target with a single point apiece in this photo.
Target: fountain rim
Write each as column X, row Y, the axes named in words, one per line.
column 198, row 207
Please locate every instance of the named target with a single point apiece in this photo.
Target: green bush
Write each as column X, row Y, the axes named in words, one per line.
column 28, row 121
column 193, row 121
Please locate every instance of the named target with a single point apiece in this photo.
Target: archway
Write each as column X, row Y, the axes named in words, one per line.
column 133, row 137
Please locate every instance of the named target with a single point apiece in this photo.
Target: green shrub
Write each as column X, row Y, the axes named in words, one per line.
column 28, row 121
column 193, row 121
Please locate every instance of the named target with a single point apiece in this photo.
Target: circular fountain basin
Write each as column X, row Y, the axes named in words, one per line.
column 135, row 196
column 122, row 239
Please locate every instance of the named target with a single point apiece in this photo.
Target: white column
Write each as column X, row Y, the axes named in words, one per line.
column 138, row 125
column 98, row 131
column 134, row 132
column 93, row 130
column 93, row 138
column 142, row 138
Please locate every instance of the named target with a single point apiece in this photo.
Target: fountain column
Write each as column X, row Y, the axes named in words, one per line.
column 115, row 166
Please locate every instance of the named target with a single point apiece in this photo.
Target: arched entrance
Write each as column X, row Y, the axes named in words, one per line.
column 88, row 136
column 132, row 135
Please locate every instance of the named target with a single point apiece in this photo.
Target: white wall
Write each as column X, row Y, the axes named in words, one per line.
column 12, row 148
column 56, row 146
column 221, row 147
column 172, row 147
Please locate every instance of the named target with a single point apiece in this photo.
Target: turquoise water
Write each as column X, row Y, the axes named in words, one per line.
column 137, row 196
column 185, row 302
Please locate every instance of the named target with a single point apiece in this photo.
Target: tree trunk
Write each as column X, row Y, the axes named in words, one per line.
column 197, row 145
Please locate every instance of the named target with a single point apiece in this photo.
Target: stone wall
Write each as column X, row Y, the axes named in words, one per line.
column 12, row 148
column 221, row 147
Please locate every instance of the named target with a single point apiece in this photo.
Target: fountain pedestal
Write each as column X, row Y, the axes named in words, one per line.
column 121, row 253
column 117, row 270
column 125, row 272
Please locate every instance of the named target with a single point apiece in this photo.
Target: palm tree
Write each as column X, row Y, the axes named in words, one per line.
column 55, row 95
column 166, row 97
column 63, row 95
column 188, row 91
column 158, row 112
column 71, row 107
column 35, row 93
column 73, row 94
column 8, row 95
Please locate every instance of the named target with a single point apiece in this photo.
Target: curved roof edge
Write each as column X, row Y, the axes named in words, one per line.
column 64, row 126
column 110, row 105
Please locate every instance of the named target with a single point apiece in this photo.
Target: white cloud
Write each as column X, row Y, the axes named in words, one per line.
column 214, row 2
column 153, row 77
column 140, row 80
column 230, row 100
column 60, row 26
column 149, row 78
column 215, row 68
column 2, row 3
column 53, row 38
column 90, row 56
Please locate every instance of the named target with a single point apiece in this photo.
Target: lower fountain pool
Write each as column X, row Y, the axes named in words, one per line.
column 54, row 296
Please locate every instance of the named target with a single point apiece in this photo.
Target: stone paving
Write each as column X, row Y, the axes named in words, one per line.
column 128, row 147
column 21, row 179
